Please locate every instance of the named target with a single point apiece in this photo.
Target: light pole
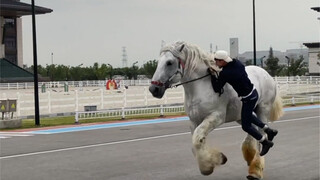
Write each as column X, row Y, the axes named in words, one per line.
column 254, row 33
column 111, row 70
column 288, row 63
column 35, row 67
column 67, row 74
column 51, row 58
column 134, row 69
column 51, row 67
column 261, row 59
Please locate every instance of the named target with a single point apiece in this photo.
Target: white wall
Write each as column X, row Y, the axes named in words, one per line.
column 314, row 67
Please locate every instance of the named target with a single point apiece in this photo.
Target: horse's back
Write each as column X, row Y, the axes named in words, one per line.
column 263, row 82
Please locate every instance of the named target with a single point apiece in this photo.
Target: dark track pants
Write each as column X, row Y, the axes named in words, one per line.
column 247, row 117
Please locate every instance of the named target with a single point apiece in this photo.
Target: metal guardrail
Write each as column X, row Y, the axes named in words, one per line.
column 123, row 112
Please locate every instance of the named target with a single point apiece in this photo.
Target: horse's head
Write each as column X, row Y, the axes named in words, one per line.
column 169, row 70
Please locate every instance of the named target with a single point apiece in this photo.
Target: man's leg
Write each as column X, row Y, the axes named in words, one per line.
column 255, row 120
column 247, row 119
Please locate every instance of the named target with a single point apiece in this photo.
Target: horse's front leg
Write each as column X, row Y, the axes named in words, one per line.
column 208, row 158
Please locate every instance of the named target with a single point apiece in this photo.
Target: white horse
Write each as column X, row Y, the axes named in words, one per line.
column 186, row 63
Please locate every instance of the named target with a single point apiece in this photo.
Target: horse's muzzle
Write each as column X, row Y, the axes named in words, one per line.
column 157, row 91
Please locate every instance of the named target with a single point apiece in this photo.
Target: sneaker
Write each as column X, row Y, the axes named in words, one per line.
column 266, row 145
column 271, row 133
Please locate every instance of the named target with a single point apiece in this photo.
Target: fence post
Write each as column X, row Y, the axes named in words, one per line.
column 293, row 102
column 124, row 97
column 102, row 98
column 49, row 101
column 182, row 95
column 76, row 117
column 77, row 100
column 123, row 113
column 161, row 111
column 165, row 98
column 145, row 96
column 311, row 101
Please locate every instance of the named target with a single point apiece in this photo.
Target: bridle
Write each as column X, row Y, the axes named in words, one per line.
column 181, row 67
column 180, row 70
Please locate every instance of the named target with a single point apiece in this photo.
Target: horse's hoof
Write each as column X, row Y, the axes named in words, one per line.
column 252, row 178
column 207, row 172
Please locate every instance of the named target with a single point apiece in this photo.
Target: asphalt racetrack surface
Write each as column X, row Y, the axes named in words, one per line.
column 158, row 151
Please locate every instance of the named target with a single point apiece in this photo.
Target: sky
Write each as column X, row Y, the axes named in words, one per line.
column 89, row 31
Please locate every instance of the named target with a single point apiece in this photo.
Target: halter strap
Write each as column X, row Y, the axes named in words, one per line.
column 186, row 82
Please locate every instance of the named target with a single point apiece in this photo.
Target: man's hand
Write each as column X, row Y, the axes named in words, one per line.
column 213, row 72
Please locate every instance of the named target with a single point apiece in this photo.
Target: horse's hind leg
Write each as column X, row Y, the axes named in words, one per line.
column 208, row 158
column 250, row 151
column 250, row 147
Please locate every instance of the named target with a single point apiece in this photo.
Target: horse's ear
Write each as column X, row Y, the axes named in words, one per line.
column 181, row 47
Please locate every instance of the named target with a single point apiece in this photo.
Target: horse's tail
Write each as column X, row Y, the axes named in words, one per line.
column 276, row 109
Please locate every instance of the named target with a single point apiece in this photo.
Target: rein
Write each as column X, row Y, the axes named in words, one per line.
column 186, row 82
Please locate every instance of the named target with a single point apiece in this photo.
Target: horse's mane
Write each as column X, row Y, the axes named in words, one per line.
column 191, row 54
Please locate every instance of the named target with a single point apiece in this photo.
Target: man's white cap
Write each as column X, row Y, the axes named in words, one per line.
column 222, row 55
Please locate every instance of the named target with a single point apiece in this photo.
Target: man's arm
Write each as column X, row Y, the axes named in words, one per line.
column 218, row 83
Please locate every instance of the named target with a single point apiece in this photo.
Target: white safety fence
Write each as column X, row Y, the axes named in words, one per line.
column 60, row 84
column 162, row 110
column 298, row 89
column 302, row 100
column 58, row 101
column 124, row 112
column 55, row 100
column 139, row 82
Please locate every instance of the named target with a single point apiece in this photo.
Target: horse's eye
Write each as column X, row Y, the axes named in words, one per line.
column 169, row 63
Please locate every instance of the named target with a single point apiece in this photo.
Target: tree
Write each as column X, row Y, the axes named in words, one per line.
column 297, row 67
column 273, row 67
column 101, row 72
column 149, row 68
column 96, row 72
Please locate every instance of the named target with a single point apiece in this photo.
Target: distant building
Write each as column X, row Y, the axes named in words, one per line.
column 263, row 55
column 11, row 12
column 314, row 58
column 314, row 53
column 234, row 48
column 10, row 72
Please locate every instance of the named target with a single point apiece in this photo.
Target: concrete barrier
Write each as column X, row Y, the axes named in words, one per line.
column 10, row 123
